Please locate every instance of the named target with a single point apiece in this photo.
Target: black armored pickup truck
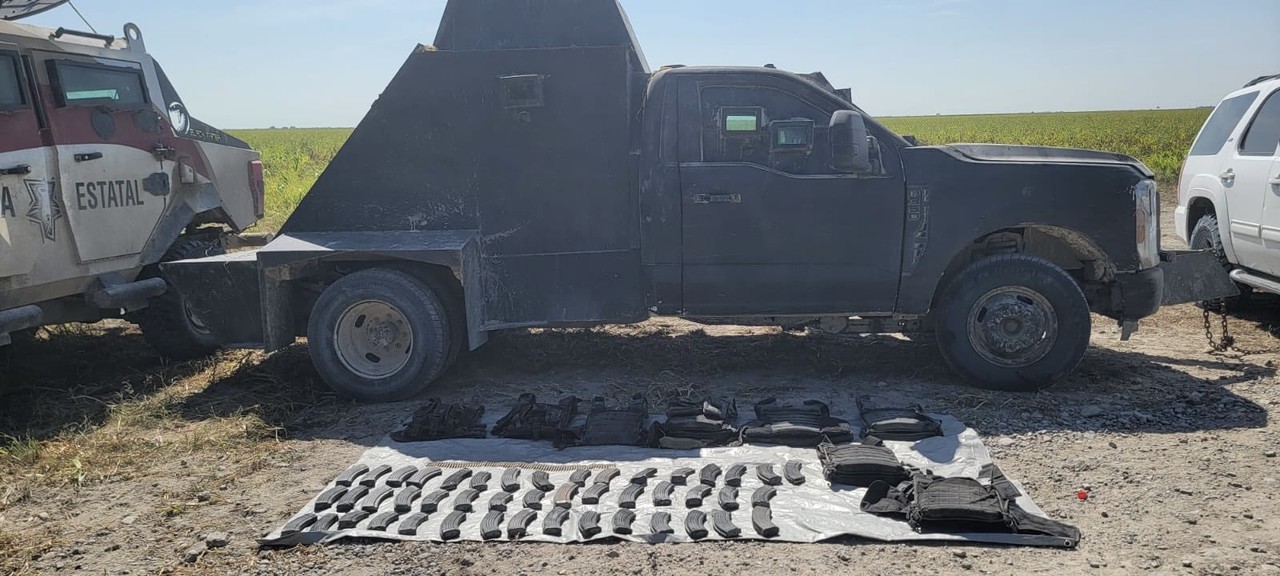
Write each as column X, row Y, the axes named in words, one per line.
column 530, row 170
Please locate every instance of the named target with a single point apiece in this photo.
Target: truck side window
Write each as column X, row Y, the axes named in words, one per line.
column 89, row 85
column 1221, row 124
column 767, row 126
column 1263, row 135
column 10, row 88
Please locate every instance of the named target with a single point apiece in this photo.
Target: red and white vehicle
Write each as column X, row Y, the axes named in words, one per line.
column 104, row 174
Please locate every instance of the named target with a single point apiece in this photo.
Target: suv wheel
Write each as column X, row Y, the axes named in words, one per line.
column 1208, row 236
column 379, row 335
column 1013, row 322
column 168, row 323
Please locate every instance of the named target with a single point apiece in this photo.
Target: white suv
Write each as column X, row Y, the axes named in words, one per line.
column 1229, row 198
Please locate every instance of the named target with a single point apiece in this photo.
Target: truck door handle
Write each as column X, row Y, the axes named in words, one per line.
column 1228, row 175
column 717, row 199
column 19, row 170
column 88, row 157
column 1275, row 181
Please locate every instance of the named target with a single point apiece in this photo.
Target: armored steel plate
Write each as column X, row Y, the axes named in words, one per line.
column 809, row 512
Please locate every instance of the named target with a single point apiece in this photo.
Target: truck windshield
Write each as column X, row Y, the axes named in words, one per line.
column 1221, row 124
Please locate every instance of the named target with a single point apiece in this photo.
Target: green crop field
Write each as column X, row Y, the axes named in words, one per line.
column 294, row 158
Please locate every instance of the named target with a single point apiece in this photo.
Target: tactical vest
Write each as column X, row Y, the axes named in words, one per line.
column 804, row 425
column 440, row 421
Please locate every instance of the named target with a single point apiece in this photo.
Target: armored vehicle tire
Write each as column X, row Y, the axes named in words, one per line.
column 1013, row 322
column 168, row 324
column 1208, row 236
column 379, row 335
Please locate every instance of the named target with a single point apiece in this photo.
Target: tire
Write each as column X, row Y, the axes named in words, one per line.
column 1208, row 236
column 393, row 360
column 167, row 323
column 1031, row 296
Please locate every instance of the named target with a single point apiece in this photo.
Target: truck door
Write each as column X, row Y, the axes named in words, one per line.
column 106, row 128
column 29, row 211
column 1257, row 166
column 769, row 227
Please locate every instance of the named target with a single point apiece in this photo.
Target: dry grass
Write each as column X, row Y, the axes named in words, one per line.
column 17, row 553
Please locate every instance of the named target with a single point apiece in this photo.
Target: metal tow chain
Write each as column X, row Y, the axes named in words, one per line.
column 1228, row 341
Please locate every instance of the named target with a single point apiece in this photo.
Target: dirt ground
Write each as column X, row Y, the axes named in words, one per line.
column 121, row 464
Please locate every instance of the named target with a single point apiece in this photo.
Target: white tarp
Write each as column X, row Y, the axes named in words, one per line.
column 811, row 512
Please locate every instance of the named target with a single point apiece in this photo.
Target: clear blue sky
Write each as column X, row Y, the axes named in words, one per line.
column 258, row 63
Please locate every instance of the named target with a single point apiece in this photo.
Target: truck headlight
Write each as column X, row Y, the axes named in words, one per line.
column 1147, row 199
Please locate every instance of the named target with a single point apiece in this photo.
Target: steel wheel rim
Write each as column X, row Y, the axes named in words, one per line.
column 373, row 339
column 1013, row 326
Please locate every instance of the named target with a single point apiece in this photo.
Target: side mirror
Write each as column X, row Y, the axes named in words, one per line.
column 850, row 143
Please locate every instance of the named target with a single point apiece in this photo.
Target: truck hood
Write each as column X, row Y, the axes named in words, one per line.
column 1043, row 155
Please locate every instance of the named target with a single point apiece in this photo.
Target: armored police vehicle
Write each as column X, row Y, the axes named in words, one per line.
column 530, row 170
column 104, row 174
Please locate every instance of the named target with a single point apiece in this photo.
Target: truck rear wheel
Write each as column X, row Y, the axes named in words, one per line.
column 168, row 323
column 379, row 335
column 1208, row 236
column 1013, row 322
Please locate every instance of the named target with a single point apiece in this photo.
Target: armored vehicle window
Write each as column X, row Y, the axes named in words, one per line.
column 1222, row 124
column 765, row 125
column 10, row 87
column 86, row 85
column 1263, row 135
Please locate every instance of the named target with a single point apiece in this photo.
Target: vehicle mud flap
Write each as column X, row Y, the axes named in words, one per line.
column 660, row 523
column 1194, row 276
column 518, row 527
column 622, row 521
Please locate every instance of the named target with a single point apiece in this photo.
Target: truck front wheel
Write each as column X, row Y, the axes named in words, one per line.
column 1013, row 322
column 168, row 324
column 379, row 335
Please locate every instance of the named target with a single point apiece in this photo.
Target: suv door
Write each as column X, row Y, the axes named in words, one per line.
column 106, row 129
column 768, row 226
column 1255, row 167
column 30, row 214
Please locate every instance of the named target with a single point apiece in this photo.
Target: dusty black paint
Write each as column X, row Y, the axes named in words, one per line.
column 599, row 191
